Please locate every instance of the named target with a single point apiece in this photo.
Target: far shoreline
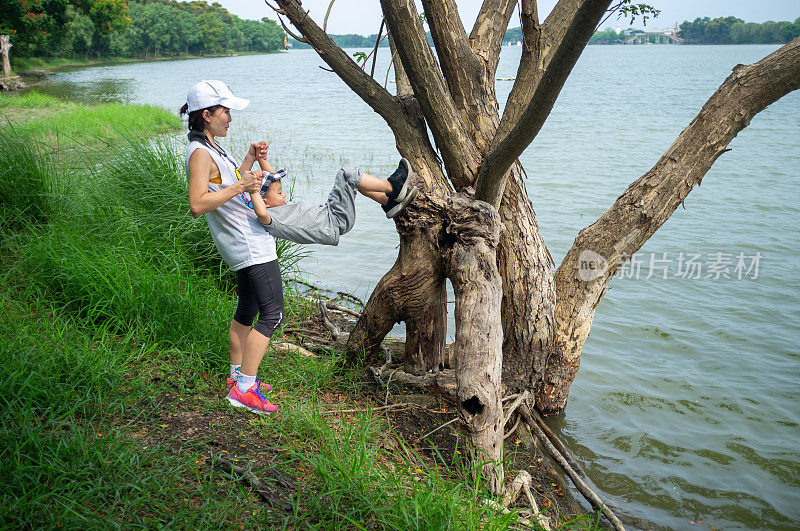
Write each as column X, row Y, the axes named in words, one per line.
column 31, row 76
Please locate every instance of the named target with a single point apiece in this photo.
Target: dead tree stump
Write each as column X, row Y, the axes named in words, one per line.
column 5, row 49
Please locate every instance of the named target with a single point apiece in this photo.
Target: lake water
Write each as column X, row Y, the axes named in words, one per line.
column 686, row 408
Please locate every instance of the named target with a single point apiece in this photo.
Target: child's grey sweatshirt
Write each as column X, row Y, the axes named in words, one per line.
column 304, row 222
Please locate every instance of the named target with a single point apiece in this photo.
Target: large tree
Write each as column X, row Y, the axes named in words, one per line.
column 520, row 325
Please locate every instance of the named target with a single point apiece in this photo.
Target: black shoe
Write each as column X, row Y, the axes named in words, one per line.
column 402, row 191
column 399, row 181
column 393, row 207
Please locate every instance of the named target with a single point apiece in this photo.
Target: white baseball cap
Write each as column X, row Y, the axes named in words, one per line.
column 213, row 92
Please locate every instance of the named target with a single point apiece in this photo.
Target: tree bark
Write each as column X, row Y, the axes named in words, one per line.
column 528, row 290
column 601, row 248
column 486, row 37
column 461, row 236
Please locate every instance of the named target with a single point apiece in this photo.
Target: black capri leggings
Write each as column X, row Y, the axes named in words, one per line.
column 260, row 292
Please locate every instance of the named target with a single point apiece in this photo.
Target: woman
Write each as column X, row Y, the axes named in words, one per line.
column 220, row 190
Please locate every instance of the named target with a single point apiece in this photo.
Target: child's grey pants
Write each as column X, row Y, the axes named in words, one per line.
column 304, row 222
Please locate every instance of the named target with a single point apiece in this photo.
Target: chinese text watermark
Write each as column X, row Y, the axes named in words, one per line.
column 714, row 266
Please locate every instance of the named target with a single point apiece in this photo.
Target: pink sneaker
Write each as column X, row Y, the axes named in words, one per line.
column 265, row 387
column 252, row 400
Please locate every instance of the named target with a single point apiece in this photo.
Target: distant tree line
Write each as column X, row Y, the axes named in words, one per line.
column 732, row 30
column 608, row 36
column 513, row 36
column 727, row 30
column 349, row 40
column 120, row 28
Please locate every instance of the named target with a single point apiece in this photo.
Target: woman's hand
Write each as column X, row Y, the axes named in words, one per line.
column 251, row 182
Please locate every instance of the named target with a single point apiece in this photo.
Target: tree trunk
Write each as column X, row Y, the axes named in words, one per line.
column 412, row 291
column 528, row 290
column 5, row 49
column 474, row 228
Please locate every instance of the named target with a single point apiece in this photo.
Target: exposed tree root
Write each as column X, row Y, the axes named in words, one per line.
column 513, row 407
column 513, row 429
column 557, row 443
column 267, row 493
column 582, row 487
column 523, row 483
column 343, row 309
column 451, row 421
column 326, row 321
column 442, row 382
column 382, row 409
column 286, row 348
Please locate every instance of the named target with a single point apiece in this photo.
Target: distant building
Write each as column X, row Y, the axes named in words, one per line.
column 672, row 31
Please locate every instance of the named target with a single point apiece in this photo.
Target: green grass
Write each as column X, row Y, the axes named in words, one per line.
column 28, row 100
column 25, row 184
column 100, row 124
column 65, row 460
column 69, row 126
column 22, row 64
column 358, row 484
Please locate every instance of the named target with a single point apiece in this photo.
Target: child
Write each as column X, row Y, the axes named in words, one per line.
column 304, row 222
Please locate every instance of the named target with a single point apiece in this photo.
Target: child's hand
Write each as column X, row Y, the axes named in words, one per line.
column 259, row 150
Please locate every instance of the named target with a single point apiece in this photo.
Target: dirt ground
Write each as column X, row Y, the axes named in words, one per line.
column 189, row 427
column 417, row 419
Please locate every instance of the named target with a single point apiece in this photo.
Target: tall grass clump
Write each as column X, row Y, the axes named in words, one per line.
column 124, row 249
column 148, row 184
column 117, row 282
column 109, row 262
column 25, row 182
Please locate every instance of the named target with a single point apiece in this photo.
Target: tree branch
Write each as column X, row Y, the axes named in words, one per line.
column 449, row 133
column 463, row 70
column 402, row 116
column 486, row 37
column 426, row 153
column 400, row 78
column 378, row 40
column 367, row 88
column 564, row 36
column 648, row 202
column 327, row 14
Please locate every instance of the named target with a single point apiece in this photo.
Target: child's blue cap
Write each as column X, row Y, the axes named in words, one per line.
column 270, row 178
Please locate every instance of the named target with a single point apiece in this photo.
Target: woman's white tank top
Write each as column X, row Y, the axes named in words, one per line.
column 240, row 238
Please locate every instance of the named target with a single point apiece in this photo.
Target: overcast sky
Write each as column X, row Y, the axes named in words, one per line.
column 364, row 17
